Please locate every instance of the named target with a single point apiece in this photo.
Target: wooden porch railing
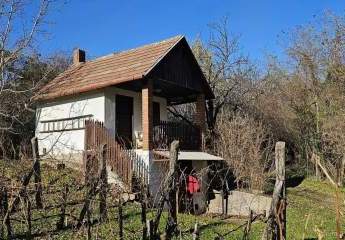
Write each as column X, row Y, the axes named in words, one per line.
column 140, row 169
column 165, row 133
column 123, row 162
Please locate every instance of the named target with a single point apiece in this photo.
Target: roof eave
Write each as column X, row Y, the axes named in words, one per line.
column 89, row 88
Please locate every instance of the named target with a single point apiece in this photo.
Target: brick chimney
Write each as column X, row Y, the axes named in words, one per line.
column 78, row 56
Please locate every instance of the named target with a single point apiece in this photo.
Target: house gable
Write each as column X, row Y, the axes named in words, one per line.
column 180, row 68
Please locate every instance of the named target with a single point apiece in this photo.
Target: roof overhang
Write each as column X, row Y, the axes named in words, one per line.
column 170, row 63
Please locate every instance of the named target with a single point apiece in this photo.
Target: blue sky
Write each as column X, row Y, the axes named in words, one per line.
column 104, row 26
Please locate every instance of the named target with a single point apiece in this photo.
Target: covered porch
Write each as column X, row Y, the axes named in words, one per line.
column 150, row 128
column 178, row 79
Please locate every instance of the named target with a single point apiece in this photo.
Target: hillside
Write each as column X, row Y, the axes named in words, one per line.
column 310, row 213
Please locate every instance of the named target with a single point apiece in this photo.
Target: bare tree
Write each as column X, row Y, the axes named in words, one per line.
column 226, row 69
column 228, row 72
column 246, row 145
column 21, row 70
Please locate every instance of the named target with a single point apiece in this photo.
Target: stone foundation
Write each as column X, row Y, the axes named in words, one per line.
column 241, row 203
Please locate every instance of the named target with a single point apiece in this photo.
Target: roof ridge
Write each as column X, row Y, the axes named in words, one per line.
column 128, row 65
column 177, row 37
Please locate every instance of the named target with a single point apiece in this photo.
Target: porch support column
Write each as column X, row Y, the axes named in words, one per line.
column 200, row 116
column 147, row 114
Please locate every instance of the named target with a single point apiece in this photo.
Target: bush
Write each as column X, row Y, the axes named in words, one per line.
column 246, row 146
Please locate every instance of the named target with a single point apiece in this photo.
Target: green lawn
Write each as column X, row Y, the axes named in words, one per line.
column 310, row 211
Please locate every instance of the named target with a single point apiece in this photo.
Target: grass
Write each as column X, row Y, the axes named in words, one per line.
column 310, row 212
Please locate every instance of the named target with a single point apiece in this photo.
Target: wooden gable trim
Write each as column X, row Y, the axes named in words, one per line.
column 203, row 84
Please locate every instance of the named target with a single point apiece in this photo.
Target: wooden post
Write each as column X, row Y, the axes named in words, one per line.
column 196, row 232
column 103, row 183
column 88, row 166
column 338, row 204
column 226, row 195
column 324, row 170
column 172, row 189
column 120, row 219
column 168, row 189
column 276, row 224
column 28, row 215
column 91, row 182
column 315, row 159
column 143, row 210
column 25, row 179
column 248, row 227
column 61, row 222
column 37, row 172
column 224, row 206
column 338, row 214
column 149, row 224
column 6, row 212
column 88, row 222
column 342, row 172
column 317, row 169
column 2, row 213
column 174, row 169
column 200, row 118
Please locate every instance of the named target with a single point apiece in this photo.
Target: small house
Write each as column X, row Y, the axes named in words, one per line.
column 121, row 100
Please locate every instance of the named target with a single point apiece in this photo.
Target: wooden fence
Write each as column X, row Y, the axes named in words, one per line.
column 124, row 162
column 166, row 132
column 32, row 209
column 139, row 167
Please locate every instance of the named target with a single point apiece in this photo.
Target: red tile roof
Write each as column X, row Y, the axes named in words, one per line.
column 109, row 70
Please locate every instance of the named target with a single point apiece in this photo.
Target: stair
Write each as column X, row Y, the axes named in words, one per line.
column 125, row 168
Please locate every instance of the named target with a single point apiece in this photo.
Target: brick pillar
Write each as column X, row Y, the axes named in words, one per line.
column 200, row 116
column 147, row 114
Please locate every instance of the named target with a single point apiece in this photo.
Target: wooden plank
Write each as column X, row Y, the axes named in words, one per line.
column 37, row 173
column 61, row 223
column 103, row 183
column 276, row 223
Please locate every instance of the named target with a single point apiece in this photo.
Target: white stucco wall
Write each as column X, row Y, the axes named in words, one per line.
column 101, row 105
column 67, row 144
column 110, row 108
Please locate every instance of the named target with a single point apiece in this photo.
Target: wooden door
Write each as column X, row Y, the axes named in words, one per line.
column 156, row 114
column 124, row 120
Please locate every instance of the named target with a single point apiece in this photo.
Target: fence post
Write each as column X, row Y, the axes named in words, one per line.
column 2, row 213
column 61, row 223
column 150, row 230
column 90, row 190
column 120, row 218
column 167, row 186
column 88, row 216
column 247, row 229
column 103, row 183
column 196, row 232
column 172, row 189
column 37, row 172
column 6, row 212
column 276, row 224
column 28, row 214
column 317, row 169
column 143, row 210
column 342, row 172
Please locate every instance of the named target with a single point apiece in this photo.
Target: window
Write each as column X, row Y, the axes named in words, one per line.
column 64, row 124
